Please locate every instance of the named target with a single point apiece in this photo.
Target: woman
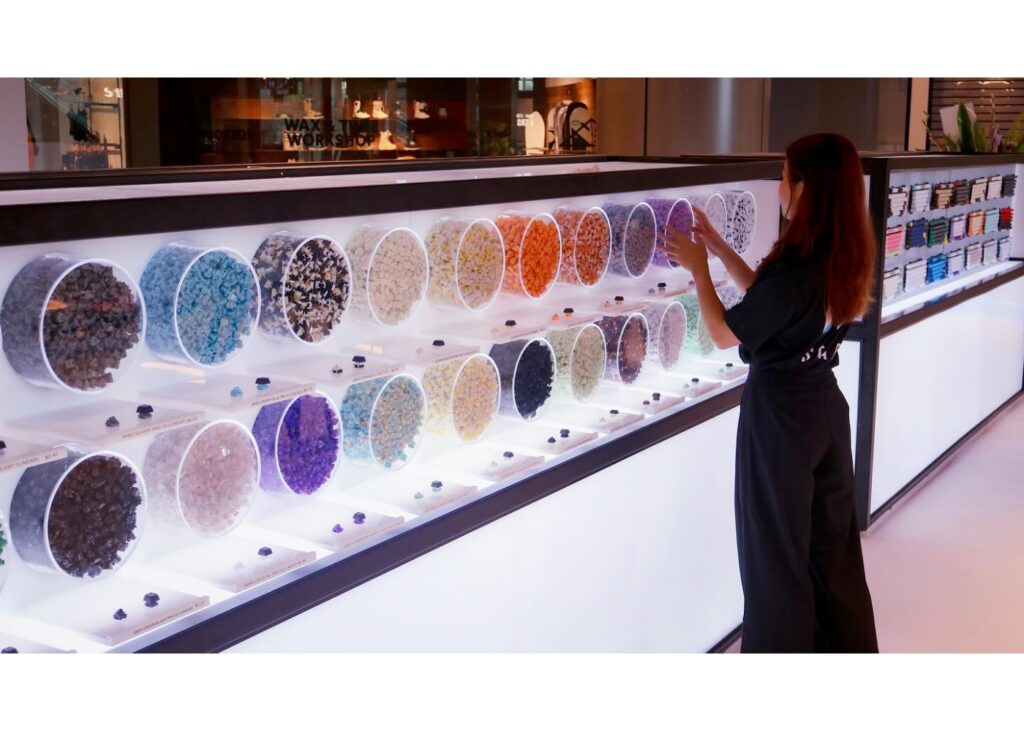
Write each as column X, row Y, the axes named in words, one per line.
column 799, row 549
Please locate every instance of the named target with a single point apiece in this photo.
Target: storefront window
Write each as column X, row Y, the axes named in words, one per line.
column 218, row 121
column 75, row 123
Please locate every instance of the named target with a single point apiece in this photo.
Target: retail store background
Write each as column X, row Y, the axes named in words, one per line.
column 159, row 122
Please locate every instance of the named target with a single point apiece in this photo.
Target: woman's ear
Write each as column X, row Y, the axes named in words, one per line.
column 798, row 190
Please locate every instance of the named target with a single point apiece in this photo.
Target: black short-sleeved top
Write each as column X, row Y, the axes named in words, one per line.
column 780, row 323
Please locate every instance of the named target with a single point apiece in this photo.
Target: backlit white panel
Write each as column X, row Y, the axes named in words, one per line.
column 639, row 557
column 940, row 378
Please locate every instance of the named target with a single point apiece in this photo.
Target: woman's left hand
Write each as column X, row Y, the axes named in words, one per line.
column 682, row 250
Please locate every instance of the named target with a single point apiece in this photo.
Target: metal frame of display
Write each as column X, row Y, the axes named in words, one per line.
column 61, row 221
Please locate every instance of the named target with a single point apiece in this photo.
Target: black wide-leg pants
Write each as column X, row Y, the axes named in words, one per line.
column 800, row 558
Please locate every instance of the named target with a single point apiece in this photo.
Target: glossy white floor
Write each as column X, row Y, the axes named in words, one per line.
column 945, row 566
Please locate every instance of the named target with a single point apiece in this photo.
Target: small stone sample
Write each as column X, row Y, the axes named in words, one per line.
column 527, row 369
column 382, row 420
column 533, row 250
column 145, row 411
column 91, row 521
column 202, row 477
column 698, row 339
column 151, row 599
column 337, row 528
column 201, row 305
column 634, row 238
column 580, row 356
column 236, row 392
column 359, row 518
column 265, row 551
column 467, row 263
column 741, row 218
column 462, row 397
column 304, row 283
column 670, row 213
column 299, row 443
column 390, row 268
column 79, row 334
column 9, row 651
column 112, row 422
column 626, row 338
column 667, row 322
column 586, row 245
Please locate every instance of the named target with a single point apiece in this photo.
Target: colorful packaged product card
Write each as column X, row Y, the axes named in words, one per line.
column 942, row 196
column 973, row 256
column 938, row 230
column 936, row 268
column 891, row 281
column 995, row 187
column 954, row 262
column 957, row 227
column 975, row 223
column 914, row 275
column 894, row 239
column 979, row 190
column 1009, row 185
column 1003, row 248
column 917, row 233
column 991, row 220
column 961, row 193
column 989, row 252
column 1005, row 219
column 899, row 195
column 920, row 197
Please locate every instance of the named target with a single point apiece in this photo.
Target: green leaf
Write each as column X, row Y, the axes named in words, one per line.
column 966, row 129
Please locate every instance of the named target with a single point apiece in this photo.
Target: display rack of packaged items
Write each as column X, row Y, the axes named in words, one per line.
column 942, row 227
column 317, row 356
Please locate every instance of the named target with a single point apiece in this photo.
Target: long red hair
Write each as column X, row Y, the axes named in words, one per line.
column 831, row 222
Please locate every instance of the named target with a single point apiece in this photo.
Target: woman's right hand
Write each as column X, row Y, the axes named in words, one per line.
column 704, row 233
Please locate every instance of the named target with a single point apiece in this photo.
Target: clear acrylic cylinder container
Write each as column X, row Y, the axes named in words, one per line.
column 528, row 372
column 715, row 209
column 667, row 323
column 382, row 420
column 202, row 477
column 626, row 337
column 634, row 238
column 299, row 444
column 80, row 516
column 463, row 396
column 533, row 252
column 5, row 542
column 467, row 263
column 305, row 284
column 202, row 303
column 580, row 356
column 72, row 323
column 586, row 245
column 698, row 339
column 674, row 213
column 391, row 273
column 741, row 218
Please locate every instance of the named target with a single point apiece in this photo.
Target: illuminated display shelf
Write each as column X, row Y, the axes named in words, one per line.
column 297, row 544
